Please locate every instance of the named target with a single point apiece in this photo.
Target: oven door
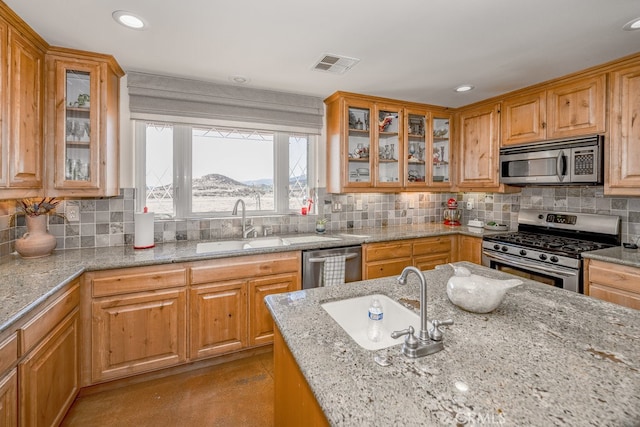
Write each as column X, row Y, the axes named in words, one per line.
column 560, row 277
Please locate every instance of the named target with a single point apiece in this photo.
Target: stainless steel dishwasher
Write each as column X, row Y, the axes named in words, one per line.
column 313, row 264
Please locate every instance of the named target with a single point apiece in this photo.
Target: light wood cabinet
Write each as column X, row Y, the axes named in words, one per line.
column 83, row 123
column 227, row 308
column 469, row 249
column 615, row 283
column 624, row 138
column 479, row 148
column 49, row 372
column 22, row 99
column 384, row 145
column 390, row 258
column 138, row 320
column 218, row 318
column 577, row 107
column 294, row 403
column 524, row 118
column 9, row 399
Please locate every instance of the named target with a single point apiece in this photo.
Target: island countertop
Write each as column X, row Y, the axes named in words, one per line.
column 546, row 356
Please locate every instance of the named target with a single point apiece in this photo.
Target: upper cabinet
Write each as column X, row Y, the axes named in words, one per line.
column 574, row 108
column 479, row 147
column 82, row 123
column 21, row 108
column 375, row 144
column 624, row 137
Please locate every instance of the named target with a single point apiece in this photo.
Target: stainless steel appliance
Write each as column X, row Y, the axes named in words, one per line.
column 313, row 264
column 569, row 161
column 547, row 246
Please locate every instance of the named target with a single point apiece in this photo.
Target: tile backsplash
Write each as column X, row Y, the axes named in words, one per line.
column 110, row 221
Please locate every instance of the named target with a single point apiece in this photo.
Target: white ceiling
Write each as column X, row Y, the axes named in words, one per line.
column 414, row 50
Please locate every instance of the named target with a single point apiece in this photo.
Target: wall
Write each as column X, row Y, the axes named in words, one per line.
column 109, row 222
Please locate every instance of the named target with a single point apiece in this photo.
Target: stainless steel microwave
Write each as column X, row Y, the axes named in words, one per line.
column 569, row 161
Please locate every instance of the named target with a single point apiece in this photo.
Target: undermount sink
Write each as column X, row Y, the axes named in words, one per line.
column 267, row 242
column 352, row 315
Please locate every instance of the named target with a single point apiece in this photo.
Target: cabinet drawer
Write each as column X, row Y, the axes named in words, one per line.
column 48, row 318
column 386, row 268
column 379, row 252
column 244, row 267
column 613, row 275
column 8, row 352
column 137, row 279
column 432, row 246
column 617, row 296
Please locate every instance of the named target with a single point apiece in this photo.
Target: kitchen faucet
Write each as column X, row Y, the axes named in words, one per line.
column 245, row 231
column 429, row 340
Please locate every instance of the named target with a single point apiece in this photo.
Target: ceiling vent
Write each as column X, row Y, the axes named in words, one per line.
column 335, row 63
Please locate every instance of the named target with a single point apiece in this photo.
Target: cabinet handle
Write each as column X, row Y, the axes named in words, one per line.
column 544, row 125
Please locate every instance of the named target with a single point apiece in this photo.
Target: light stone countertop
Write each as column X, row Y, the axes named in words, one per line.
column 545, row 357
column 25, row 284
column 616, row 255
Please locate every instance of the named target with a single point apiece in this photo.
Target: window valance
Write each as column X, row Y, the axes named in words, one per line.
column 152, row 95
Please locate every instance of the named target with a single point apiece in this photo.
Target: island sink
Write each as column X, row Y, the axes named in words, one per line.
column 352, row 315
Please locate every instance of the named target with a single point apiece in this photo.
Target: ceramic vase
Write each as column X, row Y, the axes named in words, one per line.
column 36, row 242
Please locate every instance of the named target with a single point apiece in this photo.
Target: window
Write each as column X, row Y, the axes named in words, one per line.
column 190, row 171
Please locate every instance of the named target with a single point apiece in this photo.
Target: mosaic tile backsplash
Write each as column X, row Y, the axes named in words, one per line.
column 109, row 221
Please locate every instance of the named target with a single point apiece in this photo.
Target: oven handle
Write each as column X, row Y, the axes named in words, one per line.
column 519, row 263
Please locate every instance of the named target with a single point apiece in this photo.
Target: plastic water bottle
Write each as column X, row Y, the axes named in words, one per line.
column 374, row 331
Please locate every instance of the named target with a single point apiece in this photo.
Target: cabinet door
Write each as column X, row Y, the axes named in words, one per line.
column 440, row 153
column 577, row 108
column 218, row 322
column 25, row 136
column 49, row 376
column 9, row 399
column 357, row 149
column 260, row 321
column 624, row 141
column 479, row 150
column 524, row 119
column 470, row 249
column 615, row 283
column 388, row 146
column 418, row 158
column 137, row 333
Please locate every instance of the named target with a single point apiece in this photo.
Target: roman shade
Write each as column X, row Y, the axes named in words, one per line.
column 154, row 96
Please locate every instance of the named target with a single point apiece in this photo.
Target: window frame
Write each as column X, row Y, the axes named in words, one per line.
column 182, row 169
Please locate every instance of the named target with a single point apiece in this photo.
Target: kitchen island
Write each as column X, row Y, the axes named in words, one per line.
column 546, row 356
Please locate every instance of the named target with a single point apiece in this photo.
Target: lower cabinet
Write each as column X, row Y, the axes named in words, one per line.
column 294, row 403
column 260, row 321
column 469, row 249
column 9, row 399
column 615, row 283
column 390, row 258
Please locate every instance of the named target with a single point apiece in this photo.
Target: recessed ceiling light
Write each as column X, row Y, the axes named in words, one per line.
column 464, row 88
column 239, row 79
column 632, row 25
column 129, row 20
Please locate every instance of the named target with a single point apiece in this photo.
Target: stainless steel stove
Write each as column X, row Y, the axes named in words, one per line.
column 547, row 246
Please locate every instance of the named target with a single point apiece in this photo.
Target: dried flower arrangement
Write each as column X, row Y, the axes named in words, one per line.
column 30, row 207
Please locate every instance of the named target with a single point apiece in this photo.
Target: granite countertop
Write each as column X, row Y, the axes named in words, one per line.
column 616, row 255
column 27, row 283
column 546, row 356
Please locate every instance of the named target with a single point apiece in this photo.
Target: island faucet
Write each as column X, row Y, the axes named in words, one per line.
column 245, row 231
column 429, row 340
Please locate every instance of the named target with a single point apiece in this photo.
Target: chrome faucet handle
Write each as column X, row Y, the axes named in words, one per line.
column 434, row 332
column 410, row 341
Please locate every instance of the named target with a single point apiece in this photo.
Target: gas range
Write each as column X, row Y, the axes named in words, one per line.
column 547, row 245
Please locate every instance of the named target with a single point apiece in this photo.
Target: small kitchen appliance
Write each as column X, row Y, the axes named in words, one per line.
column 452, row 213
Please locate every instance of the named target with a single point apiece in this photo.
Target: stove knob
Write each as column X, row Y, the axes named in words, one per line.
column 496, row 247
column 554, row 259
column 543, row 257
column 504, row 249
column 523, row 252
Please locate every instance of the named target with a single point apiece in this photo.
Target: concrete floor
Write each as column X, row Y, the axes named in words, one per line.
column 236, row 393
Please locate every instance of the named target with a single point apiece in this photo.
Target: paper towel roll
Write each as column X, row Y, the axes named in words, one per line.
column 143, row 237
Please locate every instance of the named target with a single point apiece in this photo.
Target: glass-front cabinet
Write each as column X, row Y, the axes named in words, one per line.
column 441, row 153
column 380, row 145
column 84, row 119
